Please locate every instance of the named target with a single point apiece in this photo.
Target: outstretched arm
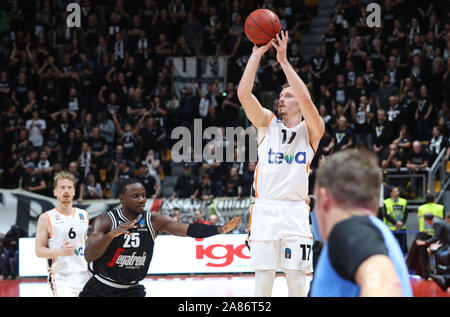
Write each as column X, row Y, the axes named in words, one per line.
column 102, row 235
column 255, row 112
column 309, row 111
column 116, row 123
column 163, row 223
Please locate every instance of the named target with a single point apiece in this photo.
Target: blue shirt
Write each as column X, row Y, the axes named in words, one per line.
column 350, row 243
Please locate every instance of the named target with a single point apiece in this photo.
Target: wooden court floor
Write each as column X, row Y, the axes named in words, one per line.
column 196, row 286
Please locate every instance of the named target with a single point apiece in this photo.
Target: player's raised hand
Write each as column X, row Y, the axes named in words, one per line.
column 281, row 46
column 123, row 228
column 67, row 249
column 263, row 48
column 231, row 225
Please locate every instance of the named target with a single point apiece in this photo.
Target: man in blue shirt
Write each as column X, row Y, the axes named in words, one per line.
column 360, row 256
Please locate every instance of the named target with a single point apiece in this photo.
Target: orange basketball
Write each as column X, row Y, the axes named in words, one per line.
column 261, row 26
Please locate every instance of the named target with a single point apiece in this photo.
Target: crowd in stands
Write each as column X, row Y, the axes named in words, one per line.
column 98, row 100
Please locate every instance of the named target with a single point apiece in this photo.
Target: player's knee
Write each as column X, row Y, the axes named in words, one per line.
column 296, row 283
column 264, row 282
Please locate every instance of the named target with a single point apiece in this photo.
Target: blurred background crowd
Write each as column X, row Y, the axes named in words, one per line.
column 98, row 100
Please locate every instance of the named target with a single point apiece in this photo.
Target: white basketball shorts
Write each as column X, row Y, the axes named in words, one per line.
column 280, row 236
column 67, row 285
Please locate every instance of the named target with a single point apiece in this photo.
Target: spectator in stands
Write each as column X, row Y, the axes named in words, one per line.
column 128, row 138
column 247, row 179
column 99, row 148
column 188, row 107
column 205, row 188
column 230, row 106
column 319, row 68
column 371, row 78
column 233, row 186
column 79, row 190
column 44, row 167
column 362, row 115
column 381, row 133
column 36, row 129
column 122, row 172
column 213, row 220
column 404, row 142
column 341, row 94
column 153, row 165
column 442, row 123
column 191, row 31
column 32, row 180
column 423, row 114
column 339, row 17
column 10, row 255
column 13, row 171
column 394, row 113
column 397, row 36
column 92, row 188
column 436, row 144
column 394, row 72
column 107, row 128
column 176, row 214
column 342, row 136
column 359, row 89
column 418, row 158
column 186, row 185
column 198, row 217
column 152, row 186
column 12, row 123
column 391, row 158
column 216, row 172
column 386, row 90
column 86, row 164
column 87, row 124
column 153, row 137
column 65, row 124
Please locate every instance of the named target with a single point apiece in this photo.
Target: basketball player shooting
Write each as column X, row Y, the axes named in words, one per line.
column 280, row 236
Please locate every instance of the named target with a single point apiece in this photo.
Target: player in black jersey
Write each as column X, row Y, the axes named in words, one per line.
column 120, row 248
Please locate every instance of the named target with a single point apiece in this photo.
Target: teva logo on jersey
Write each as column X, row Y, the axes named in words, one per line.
column 227, row 258
column 127, row 260
column 279, row 157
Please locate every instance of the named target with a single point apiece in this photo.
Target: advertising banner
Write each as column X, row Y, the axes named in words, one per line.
column 225, row 208
column 22, row 208
column 189, row 70
column 225, row 253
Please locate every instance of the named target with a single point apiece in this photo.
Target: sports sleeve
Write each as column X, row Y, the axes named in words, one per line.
column 351, row 242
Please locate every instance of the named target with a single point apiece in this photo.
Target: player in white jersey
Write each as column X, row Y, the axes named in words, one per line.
column 61, row 238
column 280, row 236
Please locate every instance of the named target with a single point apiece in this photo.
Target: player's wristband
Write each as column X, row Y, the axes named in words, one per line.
column 200, row 230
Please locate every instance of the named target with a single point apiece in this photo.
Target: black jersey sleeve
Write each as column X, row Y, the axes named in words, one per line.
column 351, row 242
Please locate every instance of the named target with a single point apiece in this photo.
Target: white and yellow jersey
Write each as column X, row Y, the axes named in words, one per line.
column 284, row 157
column 68, row 271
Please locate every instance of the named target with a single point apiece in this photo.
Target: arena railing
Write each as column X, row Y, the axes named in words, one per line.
column 432, row 179
column 440, row 166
